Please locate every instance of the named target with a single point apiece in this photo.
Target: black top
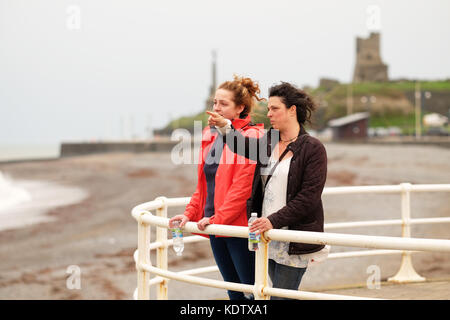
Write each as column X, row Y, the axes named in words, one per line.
column 210, row 169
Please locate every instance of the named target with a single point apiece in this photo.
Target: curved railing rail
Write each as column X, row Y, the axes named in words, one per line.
column 388, row 245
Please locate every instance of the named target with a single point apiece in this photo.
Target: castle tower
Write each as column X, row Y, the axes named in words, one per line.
column 369, row 66
column 212, row 89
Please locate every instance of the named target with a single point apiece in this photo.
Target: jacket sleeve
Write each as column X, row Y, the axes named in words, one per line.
column 253, row 148
column 309, row 196
column 237, row 195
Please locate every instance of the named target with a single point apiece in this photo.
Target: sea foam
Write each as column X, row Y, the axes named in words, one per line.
column 25, row 202
column 11, row 195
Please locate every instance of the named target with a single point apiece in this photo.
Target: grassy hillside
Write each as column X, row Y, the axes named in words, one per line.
column 393, row 104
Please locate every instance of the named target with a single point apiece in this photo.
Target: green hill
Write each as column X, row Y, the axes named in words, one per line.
column 392, row 105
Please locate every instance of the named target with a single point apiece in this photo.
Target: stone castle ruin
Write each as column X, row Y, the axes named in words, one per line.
column 369, row 66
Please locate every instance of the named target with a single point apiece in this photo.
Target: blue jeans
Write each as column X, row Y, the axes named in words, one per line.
column 285, row 277
column 236, row 263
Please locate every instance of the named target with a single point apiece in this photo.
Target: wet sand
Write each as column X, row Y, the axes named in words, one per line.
column 99, row 235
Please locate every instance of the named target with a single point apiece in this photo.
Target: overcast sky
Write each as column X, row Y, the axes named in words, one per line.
column 71, row 70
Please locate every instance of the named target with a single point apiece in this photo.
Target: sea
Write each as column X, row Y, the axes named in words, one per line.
column 14, row 152
column 25, row 202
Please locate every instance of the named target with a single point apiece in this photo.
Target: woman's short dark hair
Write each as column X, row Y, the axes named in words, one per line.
column 291, row 95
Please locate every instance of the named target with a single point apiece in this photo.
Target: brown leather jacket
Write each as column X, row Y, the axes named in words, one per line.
column 306, row 180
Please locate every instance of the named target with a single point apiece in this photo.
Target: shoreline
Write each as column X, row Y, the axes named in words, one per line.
column 12, row 161
column 44, row 197
column 74, row 149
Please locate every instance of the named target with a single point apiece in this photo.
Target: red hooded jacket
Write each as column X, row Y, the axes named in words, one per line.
column 233, row 184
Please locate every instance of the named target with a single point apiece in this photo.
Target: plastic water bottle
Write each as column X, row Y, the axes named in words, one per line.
column 177, row 236
column 253, row 237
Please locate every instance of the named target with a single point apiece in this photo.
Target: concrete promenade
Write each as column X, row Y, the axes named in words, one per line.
column 432, row 289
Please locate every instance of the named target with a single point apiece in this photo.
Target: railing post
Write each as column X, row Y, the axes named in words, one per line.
column 261, row 269
column 406, row 273
column 143, row 258
column 161, row 256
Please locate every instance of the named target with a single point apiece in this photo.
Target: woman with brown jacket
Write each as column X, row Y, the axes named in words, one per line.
column 289, row 179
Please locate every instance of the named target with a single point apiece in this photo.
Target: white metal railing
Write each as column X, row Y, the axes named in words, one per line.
column 388, row 245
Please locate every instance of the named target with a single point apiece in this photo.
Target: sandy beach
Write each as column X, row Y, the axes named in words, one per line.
column 98, row 234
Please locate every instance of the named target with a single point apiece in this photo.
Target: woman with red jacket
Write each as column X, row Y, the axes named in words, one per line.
column 225, row 183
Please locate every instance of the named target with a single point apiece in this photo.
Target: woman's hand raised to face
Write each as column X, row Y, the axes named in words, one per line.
column 216, row 119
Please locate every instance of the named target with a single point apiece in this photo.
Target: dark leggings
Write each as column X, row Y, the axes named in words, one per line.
column 236, row 263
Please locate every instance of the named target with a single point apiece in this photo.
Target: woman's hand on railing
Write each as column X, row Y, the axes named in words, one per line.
column 181, row 217
column 261, row 225
column 203, row 223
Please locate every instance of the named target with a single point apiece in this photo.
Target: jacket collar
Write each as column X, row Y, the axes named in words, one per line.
column 240, row 123
column 295, row 145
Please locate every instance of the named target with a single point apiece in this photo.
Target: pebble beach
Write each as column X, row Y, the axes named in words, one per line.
column 96, row 232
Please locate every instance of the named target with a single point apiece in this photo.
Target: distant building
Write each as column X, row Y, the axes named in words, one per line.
column 369, row 66
column 353, row 126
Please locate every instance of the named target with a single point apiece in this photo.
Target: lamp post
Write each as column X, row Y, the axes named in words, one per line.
column 418, row 106
column 349, row 99
column 368, row 100
column 425, row 96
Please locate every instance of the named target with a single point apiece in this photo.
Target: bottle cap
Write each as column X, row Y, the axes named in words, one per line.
column 254, row 214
